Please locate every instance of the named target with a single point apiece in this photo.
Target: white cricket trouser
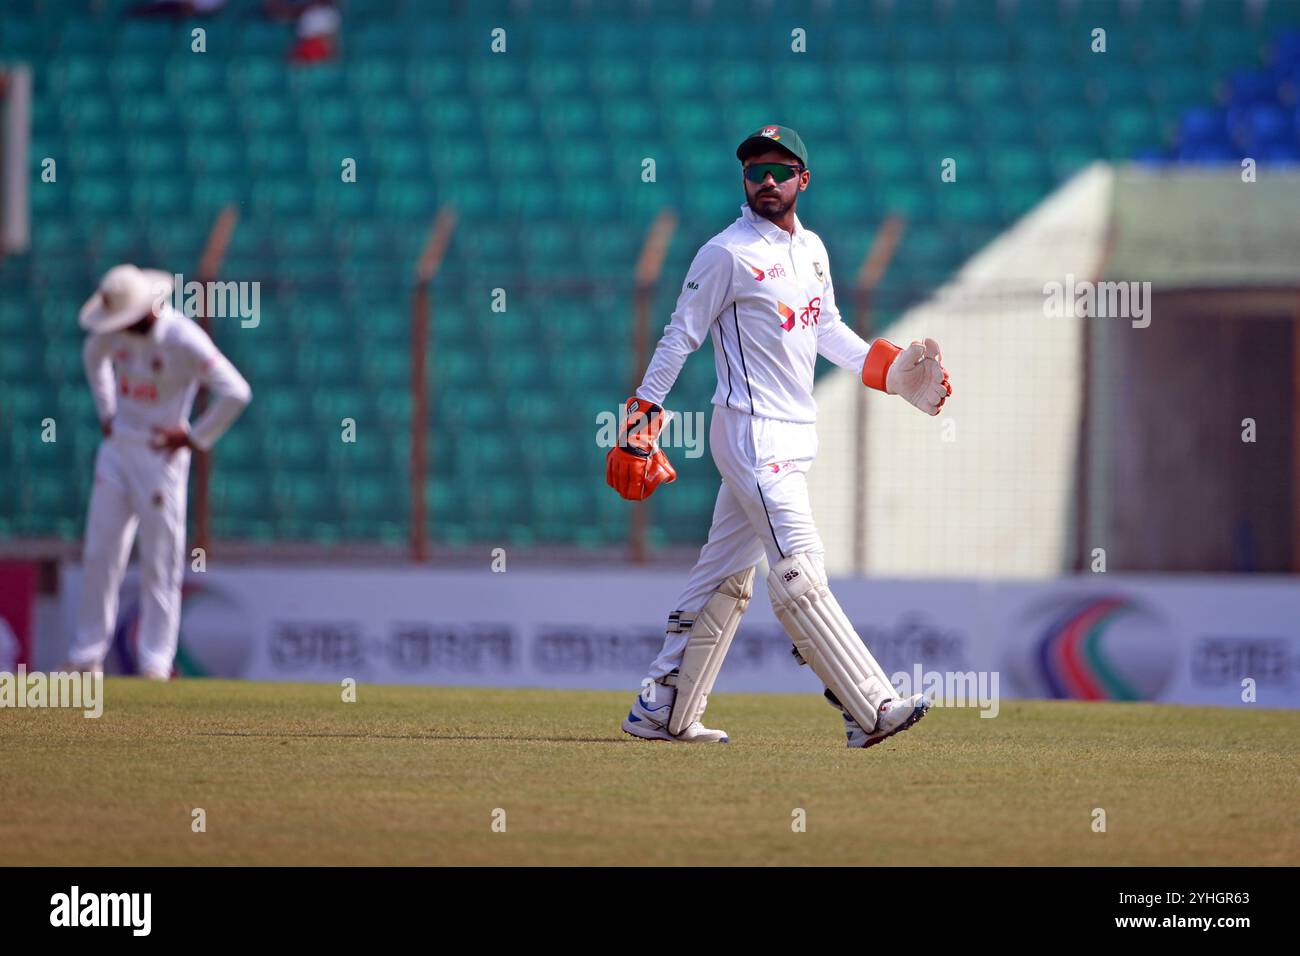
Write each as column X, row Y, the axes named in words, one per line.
column 762, row 509
column 135, row 487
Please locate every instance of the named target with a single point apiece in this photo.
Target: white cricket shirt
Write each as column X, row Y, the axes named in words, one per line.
column 766, row 298
column 141, row 381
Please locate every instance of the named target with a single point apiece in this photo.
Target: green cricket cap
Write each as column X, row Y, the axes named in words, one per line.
column 765, row 137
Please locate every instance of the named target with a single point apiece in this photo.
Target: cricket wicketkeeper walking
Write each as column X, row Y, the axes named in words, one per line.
column 762, row 289
column 144, row 362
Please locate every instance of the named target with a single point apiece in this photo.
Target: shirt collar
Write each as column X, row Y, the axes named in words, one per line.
column 155, row 333
column 769, row 230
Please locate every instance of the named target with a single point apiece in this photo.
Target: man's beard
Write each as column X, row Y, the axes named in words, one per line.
column 769, row 211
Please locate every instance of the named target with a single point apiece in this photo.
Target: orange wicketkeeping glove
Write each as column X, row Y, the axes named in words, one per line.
column 637, row 466
column 916, row 373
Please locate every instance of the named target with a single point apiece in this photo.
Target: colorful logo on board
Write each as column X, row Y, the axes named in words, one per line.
column 1102, row 647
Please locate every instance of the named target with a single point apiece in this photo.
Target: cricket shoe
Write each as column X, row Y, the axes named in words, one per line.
column 894, row 716
column 651, row 723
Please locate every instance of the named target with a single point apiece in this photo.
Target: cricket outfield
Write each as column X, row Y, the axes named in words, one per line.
column 293, row 774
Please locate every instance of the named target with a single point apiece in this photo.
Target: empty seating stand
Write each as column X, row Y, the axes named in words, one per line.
column 541, row 149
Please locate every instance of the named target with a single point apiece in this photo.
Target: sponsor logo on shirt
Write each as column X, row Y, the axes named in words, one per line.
column 138, row 390
column 811, row 312
column 808, row 315
column 787, row 315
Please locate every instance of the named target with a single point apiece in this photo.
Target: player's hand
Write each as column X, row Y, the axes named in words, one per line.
column 637, row 466
column 167, row 440
column 918, row 376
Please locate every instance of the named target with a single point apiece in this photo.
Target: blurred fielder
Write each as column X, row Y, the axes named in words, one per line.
column 762, row 289
column 145, row 362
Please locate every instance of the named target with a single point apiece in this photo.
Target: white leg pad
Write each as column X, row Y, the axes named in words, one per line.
column 706, row 647
column 825, row 639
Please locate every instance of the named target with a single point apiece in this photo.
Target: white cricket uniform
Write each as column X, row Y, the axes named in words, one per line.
column 766, row 298
column 142, row 381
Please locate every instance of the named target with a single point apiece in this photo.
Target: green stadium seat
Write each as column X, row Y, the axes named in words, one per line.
column 88, row 114
column 161, row 199
column 20, row 361
column 390, row 119
column 281, row 198
column 394, row 406
column 266, row 113
column 328, row 365
column 74, row 75
column 1018, row 165
column 303, row 449
column 218, row 157
column 240, row 448
column 384, row 37
column 208, row 118
column 283, row 408
column 374, row 505
column 23, row 38
column 989, row 86
column 1230, row 48
column 511, row 118
column 191, row 77
column 556, row 77
column 938, row 121
column 881, row 124
column 251, row 77
column 983, row 41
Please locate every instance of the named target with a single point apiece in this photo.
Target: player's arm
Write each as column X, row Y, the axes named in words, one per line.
column 636, row 466
column 229, row 395
column 99, row 375
column 706, row 292
column 915, row 373
column 228, row 391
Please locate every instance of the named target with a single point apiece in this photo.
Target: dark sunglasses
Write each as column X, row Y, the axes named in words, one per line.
column 781, row 172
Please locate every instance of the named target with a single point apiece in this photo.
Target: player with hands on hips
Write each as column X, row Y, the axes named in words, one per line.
column 762, row 291
column 144, row 362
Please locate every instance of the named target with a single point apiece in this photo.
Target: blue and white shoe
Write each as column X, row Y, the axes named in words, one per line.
column 894, row 716
column 650, row 722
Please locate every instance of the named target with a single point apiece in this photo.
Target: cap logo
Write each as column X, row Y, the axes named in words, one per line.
column 772, row 132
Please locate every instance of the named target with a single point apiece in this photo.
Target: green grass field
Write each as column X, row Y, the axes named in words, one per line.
column 289, row 774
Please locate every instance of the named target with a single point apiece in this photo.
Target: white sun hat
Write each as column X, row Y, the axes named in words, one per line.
column 124, row 295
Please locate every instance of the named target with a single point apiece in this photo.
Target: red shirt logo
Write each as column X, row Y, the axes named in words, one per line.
column 811, row 312
column 808, row 315
column 787, row 315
